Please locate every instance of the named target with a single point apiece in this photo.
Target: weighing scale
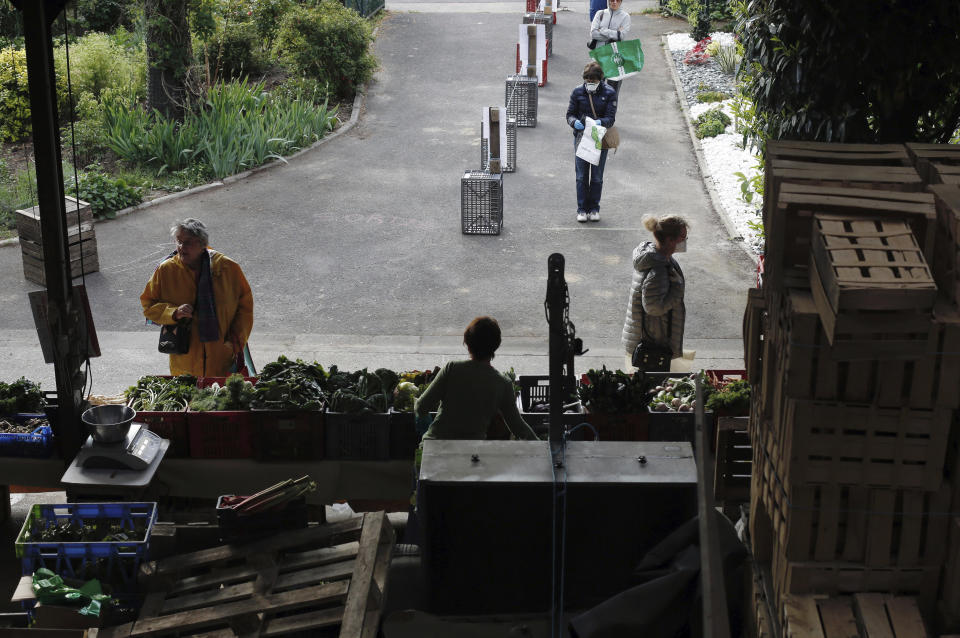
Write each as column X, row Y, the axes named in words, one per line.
column 131, row 462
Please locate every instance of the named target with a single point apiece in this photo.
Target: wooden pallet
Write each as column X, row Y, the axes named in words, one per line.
column 859, row 526
column 789, row 222
column 822, row 442
column 800, row 363
column 863, row 615
column 300, row 581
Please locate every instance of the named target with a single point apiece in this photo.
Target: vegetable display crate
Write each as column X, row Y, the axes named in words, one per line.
column 509, row 163
column 788, row 221
column 615, row 427
column 221, row 435
column 481, row 203
column 234, row 527
column 37, row 443
column 114, row 562
column 403, row 435
column 535, row 389
column 289, row 435
column 520, row 96
column 171, row 426
column 357, row 436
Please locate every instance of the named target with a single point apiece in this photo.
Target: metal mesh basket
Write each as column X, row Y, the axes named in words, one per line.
column 547, row 22
column 481, row 203
column 521, row 100
column 508, row 163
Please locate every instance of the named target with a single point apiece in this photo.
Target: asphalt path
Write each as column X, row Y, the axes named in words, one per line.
column 354, row 250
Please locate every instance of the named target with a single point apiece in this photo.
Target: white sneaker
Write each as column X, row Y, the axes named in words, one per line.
column 594, row 216
column 581, row 216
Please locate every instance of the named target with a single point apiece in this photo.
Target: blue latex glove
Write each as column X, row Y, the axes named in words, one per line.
column 578, row 125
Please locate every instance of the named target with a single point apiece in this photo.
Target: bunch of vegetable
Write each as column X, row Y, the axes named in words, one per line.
column 236, row 394
column 411, row 385
column 679, row 394
column 22, row 395
column 613, row 392
column 732, row 399
column 365, row 392
column 70, row 531
column 159, row 394
column 290, row 385
column 273, row 498
column 28, row 426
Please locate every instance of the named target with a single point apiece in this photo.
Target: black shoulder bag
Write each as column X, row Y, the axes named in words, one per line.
column 653, row 357
column 175, row 338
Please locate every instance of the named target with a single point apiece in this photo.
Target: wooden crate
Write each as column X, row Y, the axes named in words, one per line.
column 731, row 483
column 859, row 526
column 822, row 442
column 299, row 581
column 936, row 163
column 862, row 615
column 754, row 319
column 790, row 222
column 81, row 242
column 28, row 220
column 800, row 363
column 946, row 262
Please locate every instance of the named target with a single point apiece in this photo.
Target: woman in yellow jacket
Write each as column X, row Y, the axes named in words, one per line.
column 208, row 287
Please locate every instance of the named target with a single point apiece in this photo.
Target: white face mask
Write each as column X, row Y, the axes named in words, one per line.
column 591, row 86
column 681, row 247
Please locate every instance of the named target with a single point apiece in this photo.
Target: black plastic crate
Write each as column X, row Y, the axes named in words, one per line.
column 236, row 528
column 536, row 389
column 362, row 437
column 403, row 435
column 521, row 100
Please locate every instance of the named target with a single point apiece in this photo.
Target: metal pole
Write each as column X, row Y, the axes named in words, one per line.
column 556, row 302
column 63, row 313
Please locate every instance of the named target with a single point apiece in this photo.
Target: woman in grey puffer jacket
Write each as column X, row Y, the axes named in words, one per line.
column 658, row 286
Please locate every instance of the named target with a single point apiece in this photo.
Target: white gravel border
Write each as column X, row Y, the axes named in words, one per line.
column 719, row 157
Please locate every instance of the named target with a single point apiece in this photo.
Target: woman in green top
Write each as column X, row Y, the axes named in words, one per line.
column 470, row 393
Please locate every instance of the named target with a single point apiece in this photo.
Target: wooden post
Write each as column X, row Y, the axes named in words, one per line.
column 494, row 163
column 532, row 50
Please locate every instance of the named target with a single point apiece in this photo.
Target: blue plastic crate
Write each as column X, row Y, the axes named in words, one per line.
column 36, row 444
column 116, row 562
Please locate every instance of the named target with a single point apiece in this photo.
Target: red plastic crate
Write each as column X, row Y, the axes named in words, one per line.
column 169, row 425
column 289, row 435
column 221, row 435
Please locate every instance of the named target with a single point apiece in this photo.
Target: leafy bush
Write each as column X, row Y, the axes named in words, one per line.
column 97, row 63
column 14, row 95
column 88, row 132
column 302, row 88
column 237, row 51
column 711, row 123
column 105, row 15
column 330, row 43
column 105, row 194
column 719, row 9
column 727, row 58
column 268, row 15
column 847, row 72
column 712, row 96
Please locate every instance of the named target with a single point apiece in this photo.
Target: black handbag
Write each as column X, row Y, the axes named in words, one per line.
column 175, row 338
column 653, row 357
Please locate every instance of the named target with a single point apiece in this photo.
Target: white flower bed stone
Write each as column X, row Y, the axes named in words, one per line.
column 723, row 154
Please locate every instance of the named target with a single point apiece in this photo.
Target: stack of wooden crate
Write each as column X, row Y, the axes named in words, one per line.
column 81, row 240
column 859, row 373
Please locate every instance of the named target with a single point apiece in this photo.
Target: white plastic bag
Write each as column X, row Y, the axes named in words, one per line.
column 589, row 147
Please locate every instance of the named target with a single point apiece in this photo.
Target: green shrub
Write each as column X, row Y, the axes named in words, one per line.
column 17, row 191
column 727, row 58
column 104, row 15
column 97, row 63
column 88, row 132
column 14, row 95
column 237, row 51
column 712, row 96
column 711, row 123
column 105, row 194
column 330, row 43
column 302, row 88
column 268, row 15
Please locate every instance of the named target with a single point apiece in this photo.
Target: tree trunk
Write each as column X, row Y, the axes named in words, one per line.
column 169, row 54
